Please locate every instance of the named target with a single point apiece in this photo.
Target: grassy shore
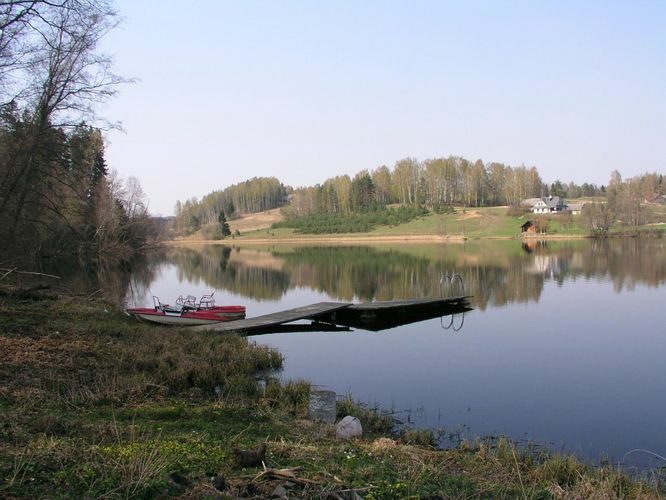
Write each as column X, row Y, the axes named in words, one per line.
column 94, row 404
column 464, row 224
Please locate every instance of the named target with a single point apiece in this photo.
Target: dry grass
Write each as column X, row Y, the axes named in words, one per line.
column 256, row 222
column 90, row 354
column 93, row 404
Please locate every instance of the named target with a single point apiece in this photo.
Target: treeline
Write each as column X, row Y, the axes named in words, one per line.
column 254, row 195
column 435, row 183
column 573, row 190
column 57, row 196
column 70, row 203
column 628, row 203
column 344, row 204
column 627, row 198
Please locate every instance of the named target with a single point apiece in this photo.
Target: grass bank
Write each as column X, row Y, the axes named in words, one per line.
column 93, row 404
column 464, row 224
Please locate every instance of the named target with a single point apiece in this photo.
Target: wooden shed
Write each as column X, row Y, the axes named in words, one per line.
column 528, row 227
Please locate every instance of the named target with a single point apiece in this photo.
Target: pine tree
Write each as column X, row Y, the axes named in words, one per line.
column 224, row 225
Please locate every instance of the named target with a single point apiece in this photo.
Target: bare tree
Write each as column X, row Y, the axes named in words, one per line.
column 599, row 218
column 135, row 199
column 67, row 76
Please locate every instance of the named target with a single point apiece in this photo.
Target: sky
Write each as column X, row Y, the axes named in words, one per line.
column 307, row 90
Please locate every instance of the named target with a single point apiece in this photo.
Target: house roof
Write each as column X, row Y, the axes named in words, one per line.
column 551, row 201
column 530, row 202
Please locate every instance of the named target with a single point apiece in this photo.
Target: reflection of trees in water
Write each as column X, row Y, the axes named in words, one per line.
column 213, row 265
column 363, row 272
column 113, row 280
column 625, row 262
column 497, row 277
column 142, row 276
column 370, row 274
column 495, row 274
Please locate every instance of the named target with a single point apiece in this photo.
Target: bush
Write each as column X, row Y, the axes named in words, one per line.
column 212, row 232
column 361, row 222
column 441, row 208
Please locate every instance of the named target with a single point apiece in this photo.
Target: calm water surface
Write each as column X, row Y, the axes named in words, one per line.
column 565, row 346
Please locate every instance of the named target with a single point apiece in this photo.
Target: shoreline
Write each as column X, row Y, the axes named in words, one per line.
column 105, row 431
column 365, row 239
column 368, row 239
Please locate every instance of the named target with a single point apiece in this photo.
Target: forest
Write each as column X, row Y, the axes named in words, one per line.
column 344, row 204
column 57, row 195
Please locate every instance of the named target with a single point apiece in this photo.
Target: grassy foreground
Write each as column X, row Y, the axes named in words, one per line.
column 93, row 404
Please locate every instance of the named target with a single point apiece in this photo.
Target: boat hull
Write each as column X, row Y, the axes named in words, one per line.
column 207, row 316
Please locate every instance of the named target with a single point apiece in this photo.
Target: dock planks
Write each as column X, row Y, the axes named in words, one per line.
column 278, row 318
column 396, row 305
column 370, row 315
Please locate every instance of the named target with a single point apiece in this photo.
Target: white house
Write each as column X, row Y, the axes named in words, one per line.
column 550, row 205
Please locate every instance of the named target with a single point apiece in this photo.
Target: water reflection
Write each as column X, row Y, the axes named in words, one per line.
column 252, row 274
column 495, row 274
column 565, row 343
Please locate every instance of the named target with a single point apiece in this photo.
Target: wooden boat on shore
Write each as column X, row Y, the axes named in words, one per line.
column 187, row 312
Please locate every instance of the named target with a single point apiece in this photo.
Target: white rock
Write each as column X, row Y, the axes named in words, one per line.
column 349, row 427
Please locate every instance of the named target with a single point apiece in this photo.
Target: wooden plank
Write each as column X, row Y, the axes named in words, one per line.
column 277, row 318
column 406, row 304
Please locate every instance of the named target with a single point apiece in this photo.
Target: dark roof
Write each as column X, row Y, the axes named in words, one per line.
column 552, row 201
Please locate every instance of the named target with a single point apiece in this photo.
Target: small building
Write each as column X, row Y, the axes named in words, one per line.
column 528, row 227
column 659, row 199
column 549, row 205
column 576, row 208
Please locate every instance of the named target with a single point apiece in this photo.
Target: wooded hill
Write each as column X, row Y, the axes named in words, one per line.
column 345, row 204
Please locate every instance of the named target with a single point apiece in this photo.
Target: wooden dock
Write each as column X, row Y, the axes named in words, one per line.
column 275, row 319
column 404, row 305
column 376, row 316
column 327, row 316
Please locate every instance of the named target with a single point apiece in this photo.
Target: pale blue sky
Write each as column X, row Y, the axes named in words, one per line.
column 306, row 90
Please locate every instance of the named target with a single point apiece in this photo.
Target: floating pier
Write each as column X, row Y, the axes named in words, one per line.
column 335, row 316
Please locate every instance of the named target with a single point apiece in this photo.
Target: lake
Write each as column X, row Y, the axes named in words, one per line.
column 565, row 345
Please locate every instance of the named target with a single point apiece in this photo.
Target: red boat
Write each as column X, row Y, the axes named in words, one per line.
column 187, row 312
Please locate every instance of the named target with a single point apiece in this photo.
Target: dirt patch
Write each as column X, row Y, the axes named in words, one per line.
column 254, row 222
column 470, row 214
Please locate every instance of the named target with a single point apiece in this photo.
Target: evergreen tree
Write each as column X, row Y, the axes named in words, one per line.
column 224, row 225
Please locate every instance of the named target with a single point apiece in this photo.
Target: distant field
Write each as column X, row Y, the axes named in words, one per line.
column 471, row 223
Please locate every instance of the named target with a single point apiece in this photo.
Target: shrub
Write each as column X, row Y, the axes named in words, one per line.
column 212, row 232
column 362, row 222
column 442, row 208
